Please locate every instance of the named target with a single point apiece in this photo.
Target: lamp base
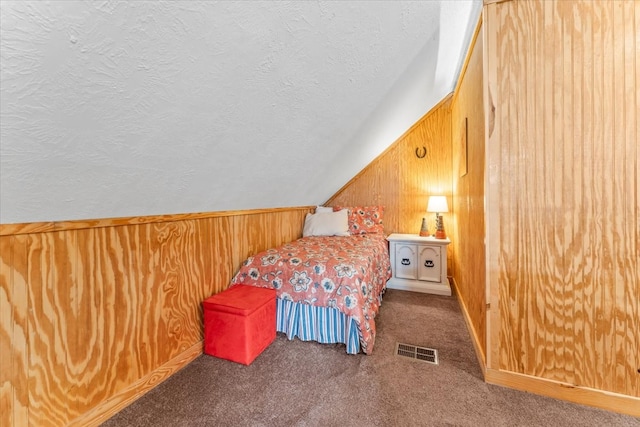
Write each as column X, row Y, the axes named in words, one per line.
column 440, row 234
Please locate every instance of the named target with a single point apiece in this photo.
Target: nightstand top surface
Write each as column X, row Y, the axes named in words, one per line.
column 416, row 238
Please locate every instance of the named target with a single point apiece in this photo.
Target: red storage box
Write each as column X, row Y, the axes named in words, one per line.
column 239, row 323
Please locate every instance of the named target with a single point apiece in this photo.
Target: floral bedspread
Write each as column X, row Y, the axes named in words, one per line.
column 347, row 273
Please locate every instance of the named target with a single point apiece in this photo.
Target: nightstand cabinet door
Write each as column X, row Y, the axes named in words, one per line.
column 406, row 261
column 429, row 268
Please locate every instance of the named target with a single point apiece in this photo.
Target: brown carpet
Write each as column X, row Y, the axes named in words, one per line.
column 295, row 383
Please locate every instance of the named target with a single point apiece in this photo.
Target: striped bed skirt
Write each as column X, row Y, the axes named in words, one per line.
column 322, row 324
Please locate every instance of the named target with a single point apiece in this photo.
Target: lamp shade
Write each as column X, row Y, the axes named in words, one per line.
column 437, row 204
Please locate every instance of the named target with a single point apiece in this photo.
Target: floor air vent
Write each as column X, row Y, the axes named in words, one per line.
column 422, row 354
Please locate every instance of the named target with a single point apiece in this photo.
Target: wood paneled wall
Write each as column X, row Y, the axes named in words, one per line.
column 89, row 309
column 402, row 182
column 563, row 197
column 468, row 193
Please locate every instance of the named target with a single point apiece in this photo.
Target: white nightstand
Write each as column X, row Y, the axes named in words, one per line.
column 419, row 264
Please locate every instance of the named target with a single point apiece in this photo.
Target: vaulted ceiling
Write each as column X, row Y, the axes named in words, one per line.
column 116, row 108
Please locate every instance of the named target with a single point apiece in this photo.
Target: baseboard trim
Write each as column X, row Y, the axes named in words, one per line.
column 124, row 398
column 621, row 403
column 467, row 319
column 416, row 286
column 601, row 399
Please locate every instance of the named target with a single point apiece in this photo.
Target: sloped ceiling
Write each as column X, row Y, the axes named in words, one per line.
column 113, row 108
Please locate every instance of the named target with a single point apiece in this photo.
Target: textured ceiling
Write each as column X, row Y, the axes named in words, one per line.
column 113, row 108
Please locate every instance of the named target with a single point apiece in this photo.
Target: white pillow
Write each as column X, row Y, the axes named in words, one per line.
column 326, row 224
column 324, row 209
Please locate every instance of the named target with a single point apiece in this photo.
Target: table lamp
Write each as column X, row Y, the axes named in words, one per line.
column 438, row 204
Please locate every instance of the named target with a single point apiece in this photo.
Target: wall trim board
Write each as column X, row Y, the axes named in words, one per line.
column 435, row 109
column 136, row 390
column 558, row 390
column 45, row 227
column 492, row 230
column 467, row 58
column 487, row 2
column 472, row 332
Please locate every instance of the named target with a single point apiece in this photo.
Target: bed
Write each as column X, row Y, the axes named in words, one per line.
column 329, row 283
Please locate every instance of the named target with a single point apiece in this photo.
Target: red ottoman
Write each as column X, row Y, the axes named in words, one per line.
column 239, row 323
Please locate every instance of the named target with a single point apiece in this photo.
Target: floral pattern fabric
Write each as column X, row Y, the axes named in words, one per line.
column 346, row 273
column 364, row 219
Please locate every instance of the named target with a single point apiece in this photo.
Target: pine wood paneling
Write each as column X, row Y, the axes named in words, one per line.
column 13, row 334
column 563, row 194
column 402, row 182
column 468, row 193
column 90, row 311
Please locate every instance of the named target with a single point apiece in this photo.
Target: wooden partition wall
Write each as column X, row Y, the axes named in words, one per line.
column 468, row 142
column 403, row 182
column 94, row 314
column 563, row 198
